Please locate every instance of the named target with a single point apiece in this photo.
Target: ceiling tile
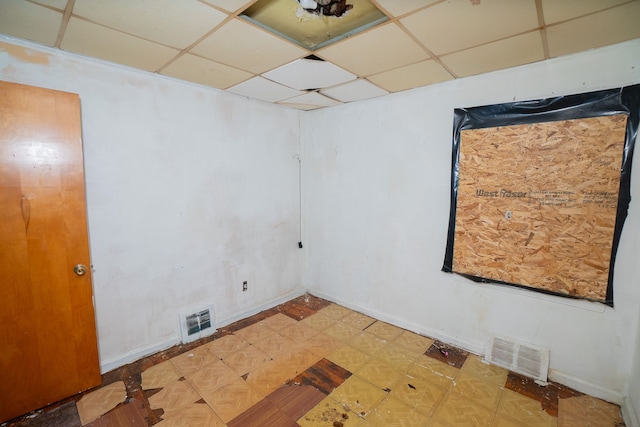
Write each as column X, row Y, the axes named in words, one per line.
column 455, row 25
column 229, row 5
column 96, row 41
column 563, row 10
column 244, row 46
column 356, row 90
column 518, row 50
column 380, row 49
column 205, row 72
column 173, row 23
column 398, row 8
column 611, row 26
column 410, row 76
column 266, row 90
column 309, row 101
column 58, row 4
column 29, row 21
column 305, row 74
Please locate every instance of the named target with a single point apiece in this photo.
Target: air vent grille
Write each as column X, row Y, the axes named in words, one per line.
column 525, row 359
column 196, row 324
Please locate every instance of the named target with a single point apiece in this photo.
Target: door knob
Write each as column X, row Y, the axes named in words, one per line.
column 80, row 269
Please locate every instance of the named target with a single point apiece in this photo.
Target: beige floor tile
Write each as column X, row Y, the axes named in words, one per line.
column 211, row 377
column 418, row 393
column 329, row 413
column 368, row 343
column 587, row 411
column 342, row 331
column 437, row 423
column 97, row 403
column 275, row 345
column 270, row 376
column 191, row 361
column 279, row 321
column 379, row 373
column 318, row 321
column 489, row 373
column 256, row 332
column 196, row 414
column 413, row 342
column 525, row 410
column 505, row 421
column 394, row 413
column 433, row 370
column 358, row 320
column 246, row 359
column 232, row 399
column 225, row 345
column 395, row 356
column 322, row 344
column 456, row 410
column 385, row 330
column 173, row 398
column 299, row 332
column 477, row 390
column 358, row 395
column 349, row 358
column 335, row 311
column 298, row 359
column 159, row 376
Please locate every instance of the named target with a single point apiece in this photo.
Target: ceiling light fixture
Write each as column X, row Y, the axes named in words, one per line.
column 326, row 7
column 314, row 24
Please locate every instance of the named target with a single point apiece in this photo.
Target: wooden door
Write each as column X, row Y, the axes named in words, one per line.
column 48, row 348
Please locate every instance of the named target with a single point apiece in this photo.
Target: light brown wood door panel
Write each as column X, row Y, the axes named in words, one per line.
column 48, row 346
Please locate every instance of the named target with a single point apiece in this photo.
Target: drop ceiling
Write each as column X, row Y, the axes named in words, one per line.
column 409, row 44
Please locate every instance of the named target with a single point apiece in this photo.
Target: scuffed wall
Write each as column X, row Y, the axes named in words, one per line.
column 377, row 205
column 190, row 192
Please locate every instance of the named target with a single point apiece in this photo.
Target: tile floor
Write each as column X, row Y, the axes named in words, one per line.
column 309, row 362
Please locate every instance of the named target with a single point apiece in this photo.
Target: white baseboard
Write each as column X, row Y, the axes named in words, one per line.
column 476, row 348
column 132, row 356
column 586, row 387
column 220, row 323
column 139, row 353
column 630, row 415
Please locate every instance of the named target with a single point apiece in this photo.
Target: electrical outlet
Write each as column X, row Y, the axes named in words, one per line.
column 244, row 286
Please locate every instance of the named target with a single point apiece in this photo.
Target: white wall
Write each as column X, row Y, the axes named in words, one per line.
column 190, row 191
column 631, row 408
column 377, row 185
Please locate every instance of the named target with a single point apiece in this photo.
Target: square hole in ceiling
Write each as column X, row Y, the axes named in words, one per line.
column 314, row 24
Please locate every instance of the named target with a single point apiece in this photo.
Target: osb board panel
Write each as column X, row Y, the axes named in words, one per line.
column 536, row 204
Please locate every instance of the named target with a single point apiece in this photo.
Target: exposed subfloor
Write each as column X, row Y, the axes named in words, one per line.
column 309, row 362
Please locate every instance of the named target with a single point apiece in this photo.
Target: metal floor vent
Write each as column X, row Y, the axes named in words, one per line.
column 196, row 324
column 525, row 359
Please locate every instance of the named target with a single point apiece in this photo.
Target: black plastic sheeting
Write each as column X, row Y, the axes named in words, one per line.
column 625, row 100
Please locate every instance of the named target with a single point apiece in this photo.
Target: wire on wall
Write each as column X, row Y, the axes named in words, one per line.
column 297, row 157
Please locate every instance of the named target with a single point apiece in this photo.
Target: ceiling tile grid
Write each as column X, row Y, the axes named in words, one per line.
column 264, row 89
column 93, row 40
column 173, row 23
column 380, row 49
column 243, row 45
column 456, row 25
column 415, row 43
column 29, row 21
column 505, row 53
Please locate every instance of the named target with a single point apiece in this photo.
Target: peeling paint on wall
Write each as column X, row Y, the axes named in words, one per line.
column 25, row 54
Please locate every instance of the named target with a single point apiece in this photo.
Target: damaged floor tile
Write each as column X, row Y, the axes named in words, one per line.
column 96, row 403
column 308, row 362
